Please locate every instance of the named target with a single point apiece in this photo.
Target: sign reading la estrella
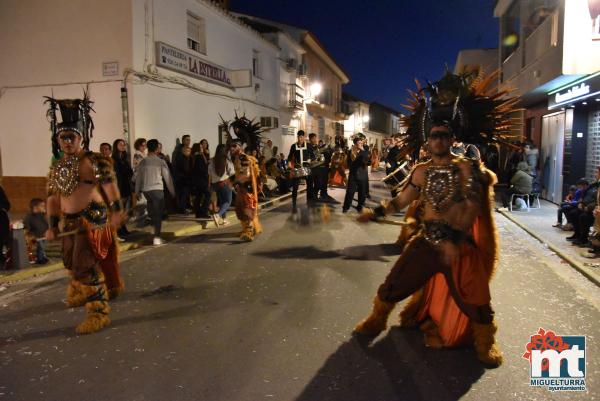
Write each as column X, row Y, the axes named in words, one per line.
column 185, row 63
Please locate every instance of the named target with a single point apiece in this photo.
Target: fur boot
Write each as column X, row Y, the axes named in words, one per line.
column 431, row 334
column 96, row 319
column 247, row 231
column 96, row 305
column 485, row 343
column 408, row 316
column 77, row 294
column 377, row 320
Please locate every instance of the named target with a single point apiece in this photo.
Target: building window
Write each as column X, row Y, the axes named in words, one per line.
column 321, row 126
column 196, row 33
column 256, row 63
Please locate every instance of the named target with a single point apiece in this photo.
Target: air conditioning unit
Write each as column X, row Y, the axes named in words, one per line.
column 302, row 70
column 269, row 122
column 292, row 64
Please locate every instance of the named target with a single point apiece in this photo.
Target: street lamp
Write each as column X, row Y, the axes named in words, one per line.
column 315, row 89
column 365, row 118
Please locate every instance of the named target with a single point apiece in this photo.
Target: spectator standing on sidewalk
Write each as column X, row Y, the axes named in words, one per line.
column 140, row 147
column 36, row 225
column 124, row 174
column 186, row 140
column 219, row 170
column 183, row 179
column 106, row 150
column 4, row 225
column 200, row 180
column 268, row 151
column 151, row 172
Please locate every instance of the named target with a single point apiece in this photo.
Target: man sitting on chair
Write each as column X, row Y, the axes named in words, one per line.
column 520, row 183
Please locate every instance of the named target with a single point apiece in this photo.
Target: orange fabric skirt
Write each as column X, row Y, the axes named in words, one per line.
column 104, row 244
column 438, row 305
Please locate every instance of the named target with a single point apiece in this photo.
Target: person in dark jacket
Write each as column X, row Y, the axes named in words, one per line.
column 183, row 179
column 200, row 180
column 582, row 217
column 358, row 177
column 301, row 155
column 4, row 225
column 393, row 156
column 124, row 174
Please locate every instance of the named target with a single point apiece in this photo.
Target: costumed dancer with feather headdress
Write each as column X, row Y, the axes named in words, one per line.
column 247, row 175
column 83, row 195
column 450, row 248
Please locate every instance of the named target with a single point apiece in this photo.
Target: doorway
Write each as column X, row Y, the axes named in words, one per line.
column 552, row 150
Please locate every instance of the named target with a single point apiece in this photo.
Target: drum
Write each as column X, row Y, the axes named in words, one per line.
column 299, row 172
column 395, row 178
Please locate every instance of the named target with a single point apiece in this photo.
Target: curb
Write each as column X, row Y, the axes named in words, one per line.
column 576, row 265
column 193, row 228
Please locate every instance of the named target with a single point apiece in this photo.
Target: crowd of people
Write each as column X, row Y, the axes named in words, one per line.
column 581, row 209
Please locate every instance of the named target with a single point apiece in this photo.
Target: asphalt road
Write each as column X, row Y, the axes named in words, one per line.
column 210, row 318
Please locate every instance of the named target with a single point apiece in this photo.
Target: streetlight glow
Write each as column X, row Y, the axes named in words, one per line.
column 315, row 89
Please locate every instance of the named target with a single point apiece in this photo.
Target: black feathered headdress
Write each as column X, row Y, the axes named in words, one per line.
column 244, row 130
column 470, row 105
column 75, row 116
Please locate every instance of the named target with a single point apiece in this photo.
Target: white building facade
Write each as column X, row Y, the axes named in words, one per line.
column 154, row 69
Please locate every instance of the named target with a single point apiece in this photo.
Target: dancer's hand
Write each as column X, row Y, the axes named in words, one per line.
column 450, row 253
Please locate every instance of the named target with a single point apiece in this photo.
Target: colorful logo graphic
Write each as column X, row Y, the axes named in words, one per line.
column 557, row 362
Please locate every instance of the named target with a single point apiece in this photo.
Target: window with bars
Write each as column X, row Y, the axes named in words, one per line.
column 196, row 33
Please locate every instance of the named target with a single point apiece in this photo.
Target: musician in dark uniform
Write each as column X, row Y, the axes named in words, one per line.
column 320, row 168
column 393, row 156
column 358, row 180
column 301, row 155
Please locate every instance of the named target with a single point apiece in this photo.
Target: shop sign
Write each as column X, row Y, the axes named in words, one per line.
column 581, row 90
column 183, row 62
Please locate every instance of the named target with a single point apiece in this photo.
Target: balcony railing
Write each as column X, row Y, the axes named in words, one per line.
column 343, row 108
column 295, row 97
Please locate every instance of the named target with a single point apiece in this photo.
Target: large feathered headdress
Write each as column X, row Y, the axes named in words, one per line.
column 244, row 130
column 469, row 104
column 75, row 116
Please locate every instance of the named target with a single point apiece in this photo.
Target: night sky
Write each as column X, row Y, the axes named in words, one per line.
column 384, row 44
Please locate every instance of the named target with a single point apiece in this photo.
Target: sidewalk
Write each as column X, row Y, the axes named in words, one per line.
column 175, row 226
column 538, row 223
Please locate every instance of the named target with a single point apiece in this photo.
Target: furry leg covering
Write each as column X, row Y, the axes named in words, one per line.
column 77, row 294
column 377, row 320
column 408, row 316
column 96, row 305
column 247, row 230
column 485, row 343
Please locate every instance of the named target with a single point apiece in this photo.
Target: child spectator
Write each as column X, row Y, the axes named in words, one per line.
column 36, row 226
